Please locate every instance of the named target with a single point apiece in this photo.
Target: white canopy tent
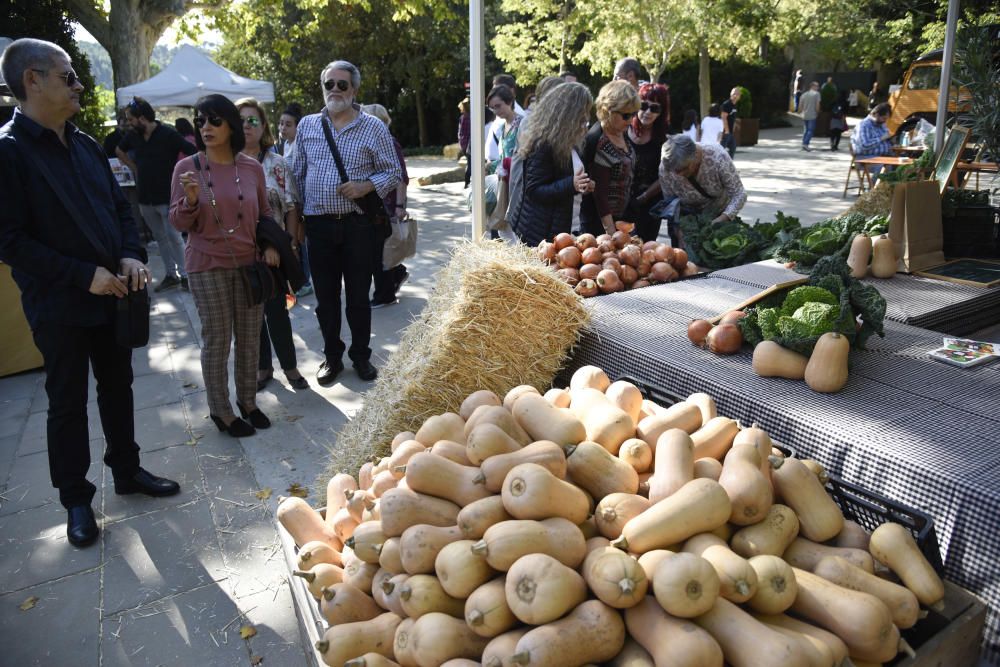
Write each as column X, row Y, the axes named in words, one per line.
column 189, row 76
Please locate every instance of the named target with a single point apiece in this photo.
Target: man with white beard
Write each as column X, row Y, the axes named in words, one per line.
column 339, row 220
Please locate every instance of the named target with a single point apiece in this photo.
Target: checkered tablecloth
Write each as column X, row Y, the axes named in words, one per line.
column 940, row 305
column 918, row 431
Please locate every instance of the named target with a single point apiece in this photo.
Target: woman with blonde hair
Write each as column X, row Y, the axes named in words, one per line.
column 276, row 327
column 552, row 172
column 610, row 158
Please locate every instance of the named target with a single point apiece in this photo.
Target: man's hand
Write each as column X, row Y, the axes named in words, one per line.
column 271, row 257
column 107, row 283
column 355, row 189
column 135, row 272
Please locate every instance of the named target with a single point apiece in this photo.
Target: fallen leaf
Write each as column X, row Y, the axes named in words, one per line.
column 293, row 418
column 264, row 493
column 297, row 490
column 247, row 631
column 256, row 660
column 28, row 604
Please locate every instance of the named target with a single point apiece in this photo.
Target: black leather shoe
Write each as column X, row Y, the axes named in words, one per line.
column 81, row 526
column 328, row 372
column 148, row 484
column 365, row 370
column 256, row 418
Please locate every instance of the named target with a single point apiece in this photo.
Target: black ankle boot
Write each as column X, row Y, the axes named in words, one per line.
column 236, row 428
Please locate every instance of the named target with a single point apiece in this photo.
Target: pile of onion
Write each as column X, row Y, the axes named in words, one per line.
column 724, row 338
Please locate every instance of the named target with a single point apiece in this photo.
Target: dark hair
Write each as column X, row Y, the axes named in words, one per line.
column 501, row 91
column 223, row 107
column 184, row 126
column 690, row 118
column 626, row 65
column 714, row 110
column 504, row 80
column 883, row 109
column 22, row 55
column 653, row 92
column 294, row 110
column 488, row 116
column 139, row 107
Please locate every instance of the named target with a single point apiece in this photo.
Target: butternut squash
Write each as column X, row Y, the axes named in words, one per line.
column 598, row 472
column 500, row 649
column 402, row 646
column 461, row 662
column 499, row 416
column 758, row 437
column 488, row 440
column 591, row 633
column 705, row 404
column 614, row 577
column 461, row 570
column 365, row 474
column 419, row 546
column 542, row 421
column 615, row 510
column 532, row 492
column 343, row 523
column 860, row 619
column 883, row 257
column 476, row 399
column 902, row 603
column 626, row 396
column 817, row 469
column 749, row 490
column 371, row 660
column 391, row 590
column 819, row 517
column 336, row 490
column 389, row 558
column 826, row 371
column 511, row 396
column 714, row 438
column 776, row 587
column 771, row 360
column 817, row 653
column 861, row 252
column 382, row 482
column 746, row 642
column 672, row 642
column 560, row 398
column 382, row 587
column 304, row 523
column 737, row 579
column 402, row 508
column 453, row 451
column 320, row 576
column 436, row 638
column 707, row 469
column 893, row 546
column 806, row 554
column 355, row 503
column 651, row 560
column 685, row 416
column 853, row 536
column 344, row 603
column 698, row 506
column 367, row 540
column 437, row 476
column 342, row 642
column 486, row 610
column 637, row 453
column 674, row 464
column 649, row 408
column 605, row 423
column 505, row 542
column 422, row 594
column 476, row 517
column 402, row 456
column 771, row 536
column 685, row 585
column 313, row 553
column 397, row 440
column 815, row 635
column 632, row 655
column 359, row 574
column 447, row 426
column 544, row 452
column 539, row 589
column 589, row 377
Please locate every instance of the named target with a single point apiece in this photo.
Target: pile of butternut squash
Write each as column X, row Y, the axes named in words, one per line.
column 590, row 526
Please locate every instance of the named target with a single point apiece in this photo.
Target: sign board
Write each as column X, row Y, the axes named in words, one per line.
column 122, row 173
column 950, row 153
column 973, row 272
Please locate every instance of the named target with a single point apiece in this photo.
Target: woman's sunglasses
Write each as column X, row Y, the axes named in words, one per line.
column 214, row 121
column 340, row 84
column 252, row 121
column 651, row 107
column 627, row 116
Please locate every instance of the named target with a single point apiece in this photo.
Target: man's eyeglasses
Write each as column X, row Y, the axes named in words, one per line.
column 340, row 84
column 252, row 121
column 627, row 116
column 214, row 121
column 651, row 107
column 70, row 76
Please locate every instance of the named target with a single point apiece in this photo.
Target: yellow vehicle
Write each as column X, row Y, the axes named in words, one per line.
column 918, row 96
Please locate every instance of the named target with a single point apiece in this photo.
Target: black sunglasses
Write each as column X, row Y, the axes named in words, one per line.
column 215, row 121
column 651, row 107
column 341, row 84
column 627, row 116
column 69, row 77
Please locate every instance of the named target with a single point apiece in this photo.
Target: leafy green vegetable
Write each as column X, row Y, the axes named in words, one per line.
column 719, row 246
column 829, row 237
column 804, row 294
column 768, row 319
column 820, row 317
column 793, row 329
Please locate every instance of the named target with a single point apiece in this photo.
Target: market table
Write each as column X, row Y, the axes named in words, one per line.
column 879, row 161
column 915, row 430
column 940, row 305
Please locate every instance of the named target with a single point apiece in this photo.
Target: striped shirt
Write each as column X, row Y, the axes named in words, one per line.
column 366, row 148
column 871, row 139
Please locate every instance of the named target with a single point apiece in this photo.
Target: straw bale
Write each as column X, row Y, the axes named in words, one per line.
column 498, row 318
column 877, row 201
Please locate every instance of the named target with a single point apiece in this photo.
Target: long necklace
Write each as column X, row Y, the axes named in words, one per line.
column 239, row 195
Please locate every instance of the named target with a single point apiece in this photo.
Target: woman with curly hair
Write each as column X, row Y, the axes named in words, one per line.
column 553, row 172
column 610, row 158
column 647, row 133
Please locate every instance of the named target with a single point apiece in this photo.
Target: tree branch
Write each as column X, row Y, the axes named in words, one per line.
column 86, row 12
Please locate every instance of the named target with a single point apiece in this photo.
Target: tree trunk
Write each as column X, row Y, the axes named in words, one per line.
column 130, row 57
column 704, row 79
column 421, row 116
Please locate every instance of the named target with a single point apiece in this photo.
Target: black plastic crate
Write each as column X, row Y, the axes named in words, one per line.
column 871, row 510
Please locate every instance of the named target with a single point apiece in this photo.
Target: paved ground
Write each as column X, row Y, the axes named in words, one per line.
column 171, row 582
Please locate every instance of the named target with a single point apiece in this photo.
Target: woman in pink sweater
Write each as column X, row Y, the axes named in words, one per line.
column 217, row 196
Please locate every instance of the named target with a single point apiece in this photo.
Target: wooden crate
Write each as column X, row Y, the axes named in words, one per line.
column 950, row 637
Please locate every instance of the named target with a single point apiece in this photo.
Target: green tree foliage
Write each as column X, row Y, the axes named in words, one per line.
column 47, row 19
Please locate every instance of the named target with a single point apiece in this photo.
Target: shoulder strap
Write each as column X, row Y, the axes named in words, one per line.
column 333, row 149
column 73, row 211
column 697, row 186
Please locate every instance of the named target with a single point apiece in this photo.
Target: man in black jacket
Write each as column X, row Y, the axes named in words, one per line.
column 72, row 262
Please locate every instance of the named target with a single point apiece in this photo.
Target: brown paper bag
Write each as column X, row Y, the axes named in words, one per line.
column 915, row 226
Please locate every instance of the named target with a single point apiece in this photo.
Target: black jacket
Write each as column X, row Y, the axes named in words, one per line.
column 546, row 207
column 270, row 233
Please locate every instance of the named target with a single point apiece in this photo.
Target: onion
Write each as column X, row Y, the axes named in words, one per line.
column 697, row 331
column 636, row 241
column 630, row 255
column 590, row 270
column 608, row 281
column 604, row 238
column 587, row 287
column 664, row 253
column 649, row 255
column 571, row 276
column 592, row 256
column 606, row 246
column 680, row 259
column 620, row 239
column 690, row 270
column 546, row 252
column 613, row 264
column 662, row 272
column 629, row 274
column 584, row 241
column 725, row 339
column 569, row 257
column 650, row 245
column 641, row 283
column 732, row 317
column 644, row 268
column 563, row 240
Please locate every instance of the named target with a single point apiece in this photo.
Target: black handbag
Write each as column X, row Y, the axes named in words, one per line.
column 371, row 204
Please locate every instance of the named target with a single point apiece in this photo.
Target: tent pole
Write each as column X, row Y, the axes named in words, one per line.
column 477, row 116
column 949, row 57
